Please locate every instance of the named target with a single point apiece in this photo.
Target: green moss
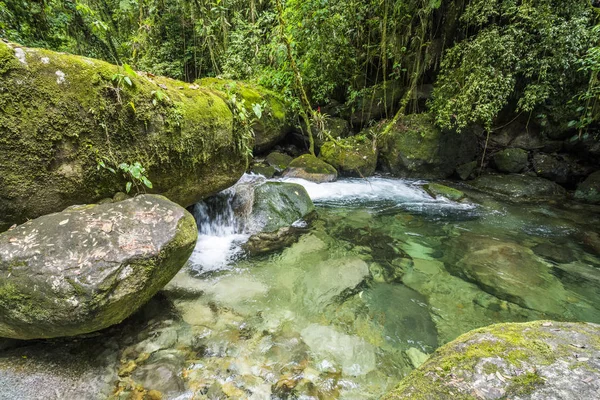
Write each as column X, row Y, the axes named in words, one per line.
column 514, row 343
column 354, row 156
column 525, row 384
column 435, row 189
column 62, row 127
column 312, row 165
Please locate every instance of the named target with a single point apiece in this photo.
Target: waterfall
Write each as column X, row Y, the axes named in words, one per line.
column 220, row 233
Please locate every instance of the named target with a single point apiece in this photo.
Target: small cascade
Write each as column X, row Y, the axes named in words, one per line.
column 222, row 229
column 220, row 235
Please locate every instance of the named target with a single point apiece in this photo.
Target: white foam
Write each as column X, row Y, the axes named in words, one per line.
column 359, row 191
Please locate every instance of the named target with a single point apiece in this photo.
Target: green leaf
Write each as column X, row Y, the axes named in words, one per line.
column 128, row 81
column 128, row 70
column 128, row 187
column 147, row 182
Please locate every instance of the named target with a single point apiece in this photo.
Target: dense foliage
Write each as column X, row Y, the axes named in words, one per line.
column 489, row 60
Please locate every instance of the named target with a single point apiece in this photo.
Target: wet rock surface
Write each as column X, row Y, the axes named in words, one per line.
column 537, row 360
column 519, row 187
column 90, row 267
column 589, row 190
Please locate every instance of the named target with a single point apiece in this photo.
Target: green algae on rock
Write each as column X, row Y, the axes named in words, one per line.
column 535, row 360
column 312, row 169
column 354, row 156
column 87, row 268
column 64, row 115
column 416, row 148
column 436, row 189
column 279, row 161
column 274, row 123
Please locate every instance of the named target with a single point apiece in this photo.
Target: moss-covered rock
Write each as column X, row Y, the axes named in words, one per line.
column 511, row 160
column 265, row 170
column 415, row 148
column 88, row 268
column 354, row 156
column 519, row 187
column 62, row 115
column 436, row 189
column 274, row 123
column 535, row 360
column 589, row 190
column 278, row 160
column 312, row 169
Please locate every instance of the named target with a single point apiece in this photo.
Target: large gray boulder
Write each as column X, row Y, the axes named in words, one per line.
column 89, row 267
column 535, row 360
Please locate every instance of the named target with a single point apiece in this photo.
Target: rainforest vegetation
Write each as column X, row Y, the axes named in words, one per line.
column 488, row 61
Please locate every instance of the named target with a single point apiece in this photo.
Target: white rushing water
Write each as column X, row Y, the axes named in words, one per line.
column 401, row 193
column 221, row 233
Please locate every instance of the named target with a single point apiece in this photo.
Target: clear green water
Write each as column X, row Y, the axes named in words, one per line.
column 378, row 282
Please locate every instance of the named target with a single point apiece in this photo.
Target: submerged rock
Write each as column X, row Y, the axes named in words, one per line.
column 508, row 271
column 312, row 169
column 511, row 160
column 519, row 187
column 55, row 133
column 416, row 148
column 589, row 190
column 90, row 267
column 351, row 157
column 536, row 360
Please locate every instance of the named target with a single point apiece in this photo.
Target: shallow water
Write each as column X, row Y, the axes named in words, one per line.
column 385, row 275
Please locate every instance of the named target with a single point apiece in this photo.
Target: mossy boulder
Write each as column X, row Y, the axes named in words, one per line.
column 415, row 148
column 589, row 190
column 534, row 360
column 511, row 160
column 354, row 156
column 90, row 267
column 265, row 170
column 312, row 169
column 63, row 115
column 274, row 123
column 519, row 187
column 279, row 161
column 436, row 189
